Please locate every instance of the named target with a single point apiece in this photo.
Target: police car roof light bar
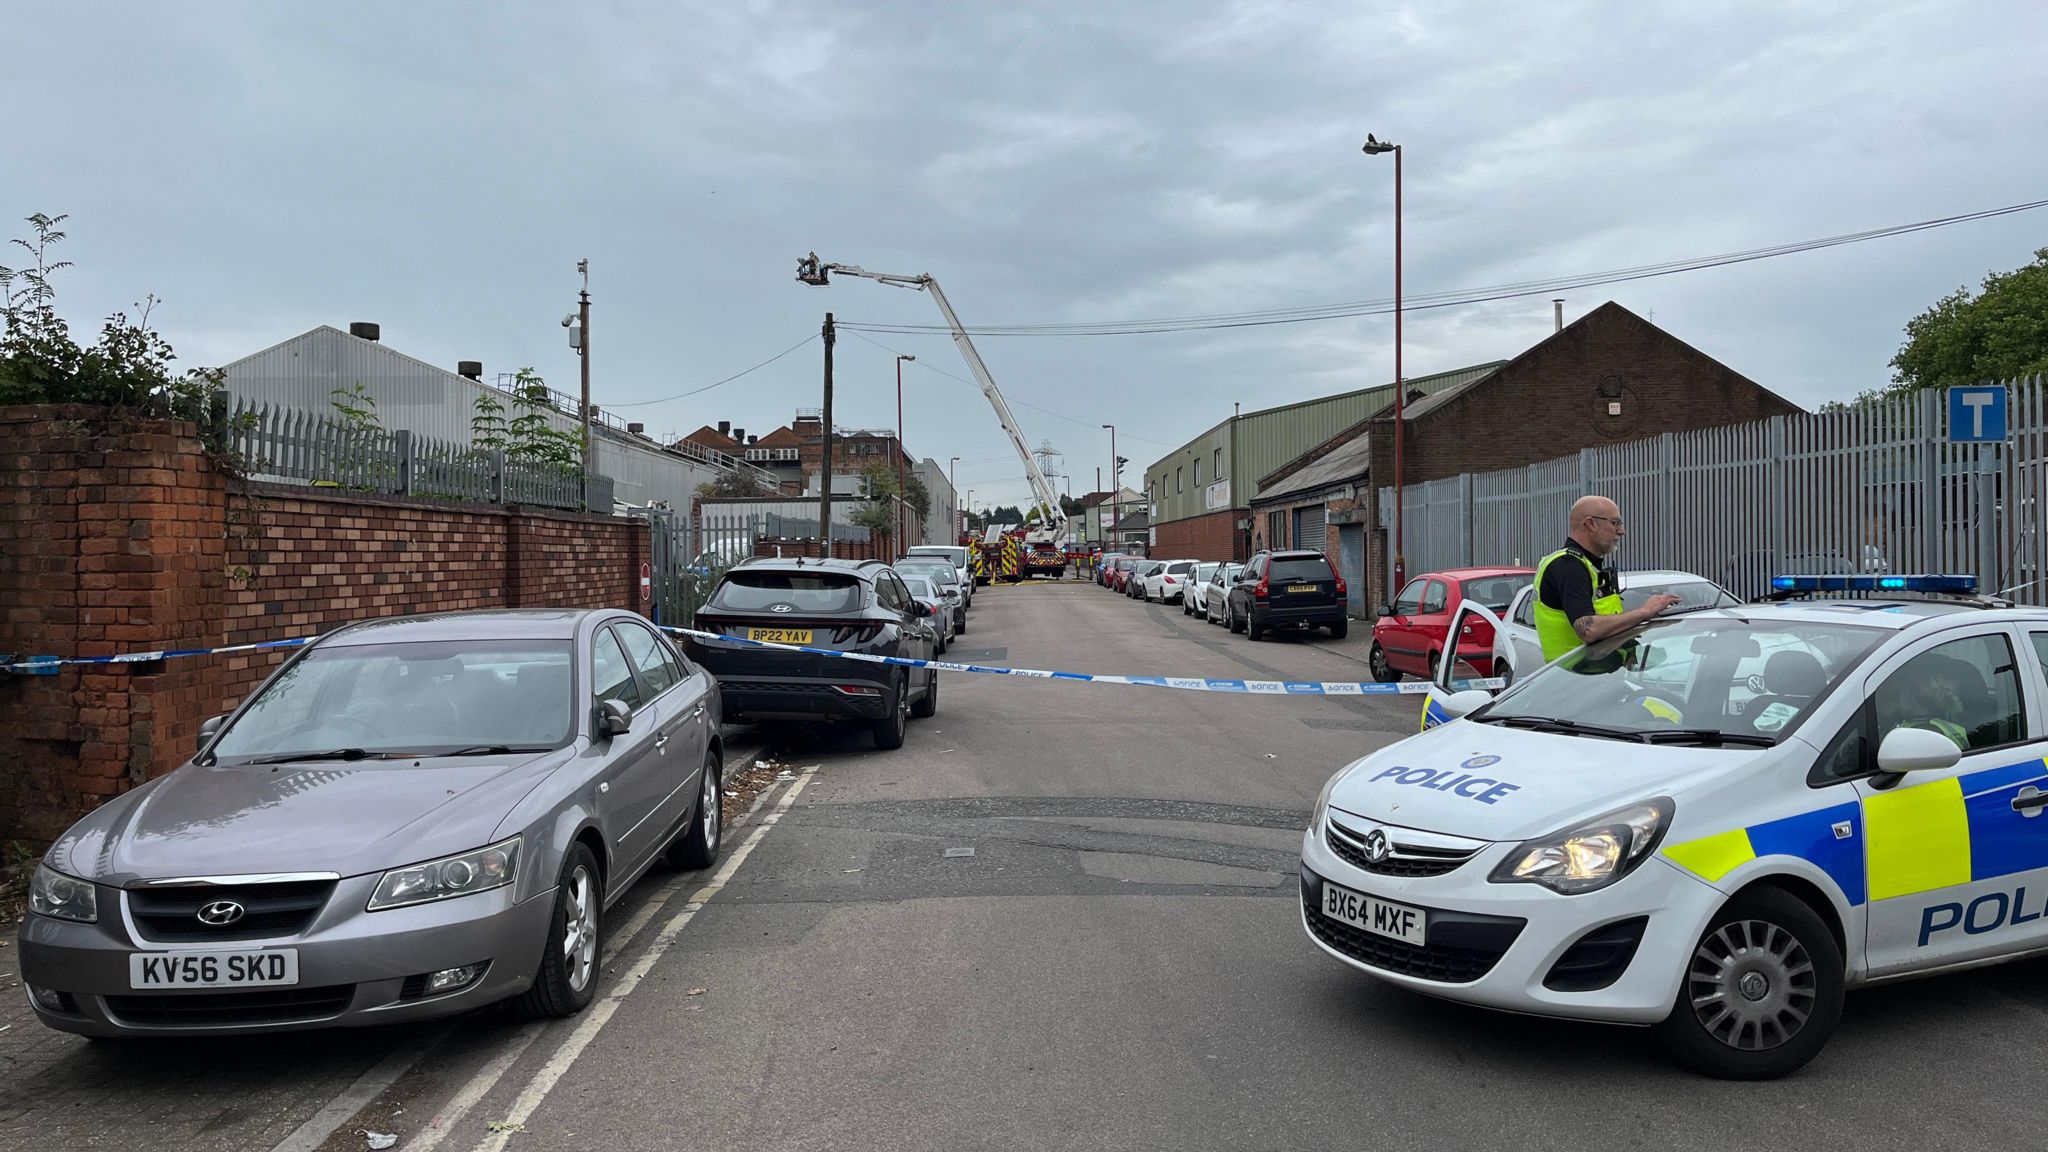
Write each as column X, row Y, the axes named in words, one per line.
column 1788, row 586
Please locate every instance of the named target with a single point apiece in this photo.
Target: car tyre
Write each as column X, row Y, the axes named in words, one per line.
column 1253, row 630
column 927, row 707
column 1382, row 671
column 888, row 731
column 1340, row 629
column 1769, row 940
column 1505, row 673
column 1230, row 619
column 570, row 967
column 698, row 846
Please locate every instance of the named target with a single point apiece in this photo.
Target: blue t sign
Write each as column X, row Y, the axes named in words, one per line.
column 1977, row 415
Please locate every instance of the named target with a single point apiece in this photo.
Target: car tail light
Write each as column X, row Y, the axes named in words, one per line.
column 856, row 633
column 856, row 690
column 1342, row 589
column 1476, row 631
column 1263, row 589
column 1169, row 580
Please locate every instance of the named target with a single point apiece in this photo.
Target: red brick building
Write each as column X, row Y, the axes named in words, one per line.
column 1611, row 376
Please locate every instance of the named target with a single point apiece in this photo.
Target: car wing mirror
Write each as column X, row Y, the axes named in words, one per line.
column 1916, row 750
column 210, row 727
column 1463, row 703
column 613, row 719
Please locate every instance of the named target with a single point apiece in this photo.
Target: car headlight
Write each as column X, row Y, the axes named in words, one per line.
column 1315, row 818
column 52, row 893
column 1591, row 855
column 450, row 876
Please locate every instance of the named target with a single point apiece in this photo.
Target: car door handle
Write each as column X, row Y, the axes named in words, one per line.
column 2030, row 801
column 603, row 788
column 661, row 742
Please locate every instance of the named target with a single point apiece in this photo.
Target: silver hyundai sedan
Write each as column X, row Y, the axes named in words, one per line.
column 412, row 817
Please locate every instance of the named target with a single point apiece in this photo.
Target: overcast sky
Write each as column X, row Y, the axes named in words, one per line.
column 439, row 168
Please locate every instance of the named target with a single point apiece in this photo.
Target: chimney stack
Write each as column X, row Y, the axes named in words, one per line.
column 472, row 369
column 725, row 427
column 739, row 434
column 364, row 330
column 753, row 439
column 1557, row 312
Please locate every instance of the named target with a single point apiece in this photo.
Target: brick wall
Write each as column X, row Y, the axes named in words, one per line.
column 120, row 535
column 1210, row 537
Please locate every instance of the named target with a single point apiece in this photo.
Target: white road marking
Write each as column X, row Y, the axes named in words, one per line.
column 622, row 937
column 485, row 1079
column 367, row 1087
column 600, row 1014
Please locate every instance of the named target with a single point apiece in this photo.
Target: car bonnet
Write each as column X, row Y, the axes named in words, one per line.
column 1491, row 783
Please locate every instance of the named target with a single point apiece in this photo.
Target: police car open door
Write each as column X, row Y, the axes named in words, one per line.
column 1468, row 655
column 1955, row 859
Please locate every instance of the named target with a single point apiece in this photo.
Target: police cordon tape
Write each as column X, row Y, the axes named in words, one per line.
column 48, row 665
column 1184, row 683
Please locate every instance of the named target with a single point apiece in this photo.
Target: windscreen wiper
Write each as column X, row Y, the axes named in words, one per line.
column 307, row 757
column 1568, row 727
column 486, row 750
column 1707, row 737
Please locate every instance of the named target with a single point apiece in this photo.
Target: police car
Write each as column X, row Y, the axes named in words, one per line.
column 1714, row 824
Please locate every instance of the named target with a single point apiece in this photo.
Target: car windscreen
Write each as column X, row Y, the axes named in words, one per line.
column 420, row 698
column 920, row 586
column 937, row 570
column 745, row 591
column 1496, row 592
column 1299, row 568
column 1203, row 573
column 1692, row 594
column 1710, row 673
column 957, row 557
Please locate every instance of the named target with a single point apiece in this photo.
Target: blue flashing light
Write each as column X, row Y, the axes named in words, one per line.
column 1955, row 585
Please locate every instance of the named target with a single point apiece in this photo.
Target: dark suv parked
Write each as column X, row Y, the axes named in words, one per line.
column 844, row 605
column 1287, row 590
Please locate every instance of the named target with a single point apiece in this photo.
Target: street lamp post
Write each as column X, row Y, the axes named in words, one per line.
column 1375, row 147
column 900, row 358
column 1116, row 488
column 952, row 501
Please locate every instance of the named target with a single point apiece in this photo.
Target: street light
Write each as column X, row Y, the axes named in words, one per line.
column 1116, row 486
column 900, row 358
column 1374, row 147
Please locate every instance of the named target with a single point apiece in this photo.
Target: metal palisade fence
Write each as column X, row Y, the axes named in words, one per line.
column 292, row 446
column 1876, row 488
column 687, row 559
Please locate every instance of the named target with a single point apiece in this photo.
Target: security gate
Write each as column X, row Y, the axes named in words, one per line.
column 1310, row 528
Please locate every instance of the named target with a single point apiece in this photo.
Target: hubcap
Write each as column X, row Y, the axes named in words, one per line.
column 1752, row 985
column 711, row 805
column 579, row 930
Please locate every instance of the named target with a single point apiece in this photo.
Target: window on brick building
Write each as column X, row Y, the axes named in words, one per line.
column 1198, row 473
column 1217, row 471
column 1177, row 477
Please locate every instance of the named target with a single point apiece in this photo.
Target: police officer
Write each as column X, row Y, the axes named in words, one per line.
column 1578, row 598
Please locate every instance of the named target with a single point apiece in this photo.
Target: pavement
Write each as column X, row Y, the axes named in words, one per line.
column 1063, row 916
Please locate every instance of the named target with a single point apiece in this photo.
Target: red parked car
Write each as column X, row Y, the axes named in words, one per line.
column 1411, row 634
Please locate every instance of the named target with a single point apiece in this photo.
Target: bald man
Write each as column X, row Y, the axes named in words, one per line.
column 1578, row 597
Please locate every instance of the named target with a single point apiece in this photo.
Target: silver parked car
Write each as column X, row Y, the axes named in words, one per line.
column 411, row 817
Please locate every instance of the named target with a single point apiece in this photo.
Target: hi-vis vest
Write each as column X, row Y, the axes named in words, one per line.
column 1553, row 630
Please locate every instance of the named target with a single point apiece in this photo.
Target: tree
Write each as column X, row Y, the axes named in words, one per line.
column 531, row 435
column 877, row 512
column 917, row 496
column 40, row 363
column 734, row 484
column 1999, row 334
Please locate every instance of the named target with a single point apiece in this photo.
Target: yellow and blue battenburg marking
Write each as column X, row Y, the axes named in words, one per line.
column 1901, row 842
column 1433, row 713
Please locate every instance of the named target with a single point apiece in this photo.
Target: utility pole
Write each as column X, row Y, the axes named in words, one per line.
column 900, row 489
column 825, row 461
column 1116, row 485
column 952, row 503
column 583, row 354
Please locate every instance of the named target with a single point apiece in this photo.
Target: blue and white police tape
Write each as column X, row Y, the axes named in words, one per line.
column 1185, row 683
column 48, row 665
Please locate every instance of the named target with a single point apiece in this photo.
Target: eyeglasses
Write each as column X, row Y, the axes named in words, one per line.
column 1614, row 520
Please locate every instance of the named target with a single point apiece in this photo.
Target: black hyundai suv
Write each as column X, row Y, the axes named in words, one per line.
column 844, row 605
column 1287, row 590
